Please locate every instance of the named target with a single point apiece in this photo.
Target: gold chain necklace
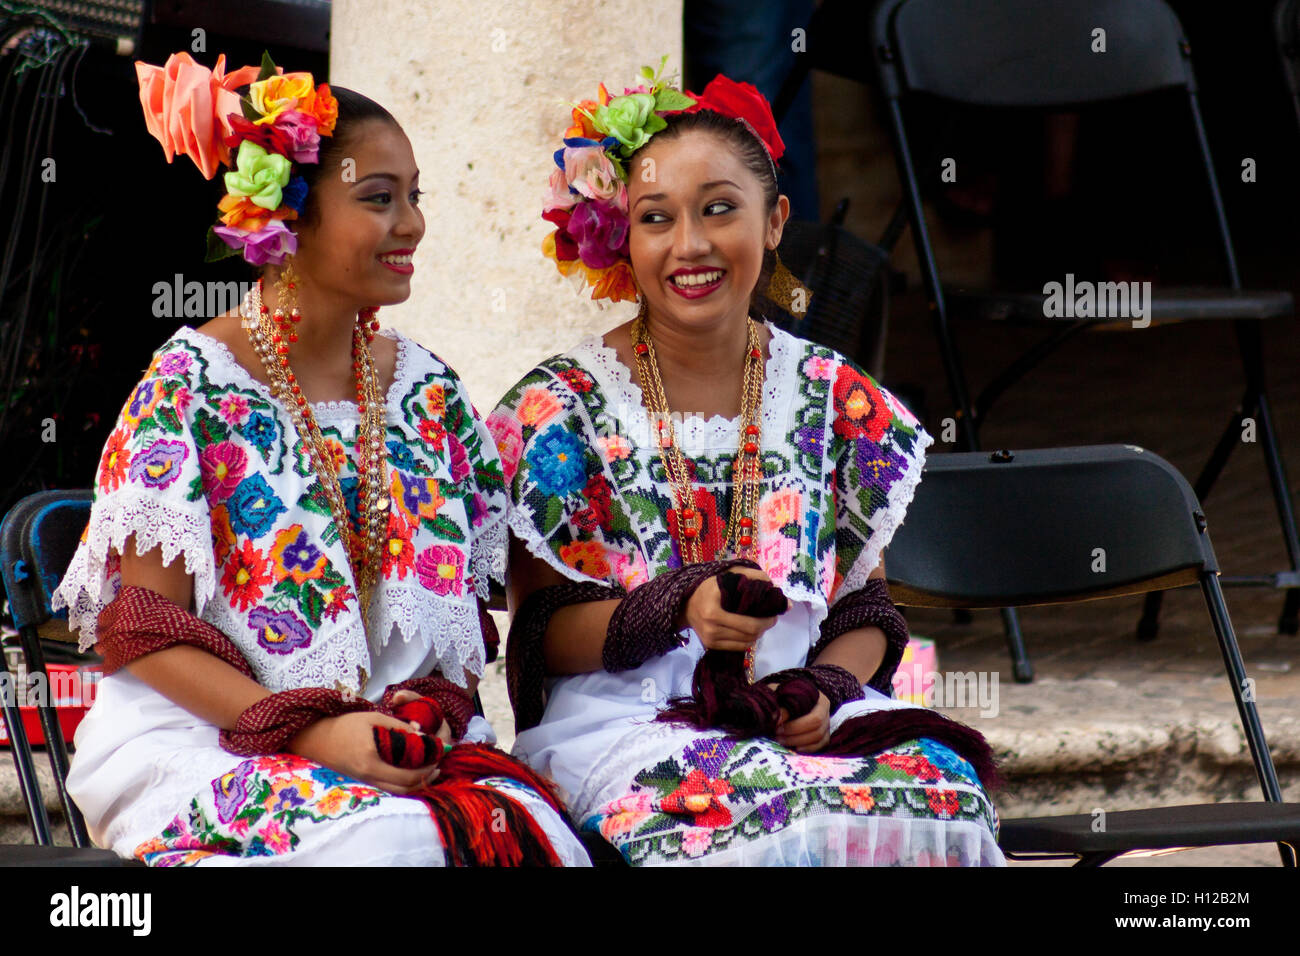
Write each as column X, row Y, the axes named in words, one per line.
column 746, row 474
column 364, row 546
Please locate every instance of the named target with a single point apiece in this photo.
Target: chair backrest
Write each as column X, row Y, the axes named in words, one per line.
column 38, row 538
column 1030, row 52
column 1045, row 526
column 1286, row 33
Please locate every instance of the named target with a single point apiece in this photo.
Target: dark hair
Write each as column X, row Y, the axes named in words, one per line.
column 354, row 108
column 748, row 147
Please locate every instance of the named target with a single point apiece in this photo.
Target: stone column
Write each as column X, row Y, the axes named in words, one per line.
column 482, row 90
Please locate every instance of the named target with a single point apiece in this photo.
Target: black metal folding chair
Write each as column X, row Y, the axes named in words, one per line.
column 1029, row 54
column 38, row 537
column 1020, row 528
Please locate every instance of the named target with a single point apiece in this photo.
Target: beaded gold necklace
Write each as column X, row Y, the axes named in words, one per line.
column 270, row 336
column 747, row 472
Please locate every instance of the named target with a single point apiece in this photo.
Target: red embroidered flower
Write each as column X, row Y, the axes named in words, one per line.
column 336, row 601
column 244, row 575
column 944, row 803
column 587, row 557
column 712, row 528
column 860, row 409
column 433, row 432
column 117, row 459
column 698, row 797
column 576, row 379
column 597, row 513
column 399, row 553
column 918, row 767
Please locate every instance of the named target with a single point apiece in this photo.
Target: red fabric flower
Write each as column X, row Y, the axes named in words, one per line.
column 698, row 797
column 566, row 248
column 741, row 101
column 269, row 136
column 860, row 409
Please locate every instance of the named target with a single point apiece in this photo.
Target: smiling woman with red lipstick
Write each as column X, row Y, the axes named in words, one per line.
column 702, row 644
column 298, row 690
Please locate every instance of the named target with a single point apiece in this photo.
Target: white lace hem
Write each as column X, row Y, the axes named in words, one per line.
column 452, row 629
column 87, row 588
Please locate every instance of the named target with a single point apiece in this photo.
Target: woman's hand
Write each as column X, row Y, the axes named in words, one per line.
column 809, row 733
column 346, row 744
column 720, row 630
column 405, row 697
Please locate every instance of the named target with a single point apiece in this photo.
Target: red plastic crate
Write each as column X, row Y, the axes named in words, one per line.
column 72, row 697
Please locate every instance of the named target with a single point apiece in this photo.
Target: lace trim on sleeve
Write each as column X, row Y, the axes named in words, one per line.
column 450, row 627
column 88, row 586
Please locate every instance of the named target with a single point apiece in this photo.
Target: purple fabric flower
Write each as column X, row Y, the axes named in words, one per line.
column 600, row 230
column 271, row 243
column 280, row 632
column 709, row 754
column 160, row 464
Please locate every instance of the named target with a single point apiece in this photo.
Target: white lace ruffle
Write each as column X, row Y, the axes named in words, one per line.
column 87, row 587
column 488, row 556
column 450, row 627
column 900, row 496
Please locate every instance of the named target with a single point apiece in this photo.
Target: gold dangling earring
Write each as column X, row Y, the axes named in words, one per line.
column 786, row 290
column 286, row 295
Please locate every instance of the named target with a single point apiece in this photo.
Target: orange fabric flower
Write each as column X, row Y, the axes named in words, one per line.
column 582, row 127
column 240, row 212
column 616, row 282
column 186, row 105
column 321, row 104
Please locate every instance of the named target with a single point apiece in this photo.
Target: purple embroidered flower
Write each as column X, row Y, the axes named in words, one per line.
column 174, row 363
column 301, row 554
column 811, row 440
column 709, row 754
column 774, row 814
column 142, row 398
column 280, row 632
column 878, row 466
column 415, row 491
column 160, row 464
column 230, row 790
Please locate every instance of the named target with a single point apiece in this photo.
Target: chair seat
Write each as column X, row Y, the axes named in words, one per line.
column 28, row 855
column 1215, row 824
column 1167, row 305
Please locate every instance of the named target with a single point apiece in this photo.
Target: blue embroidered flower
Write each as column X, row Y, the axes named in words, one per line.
column 280, row 632
column 330, row 778
column 556, row 462
column 254, row 507
column 946, row 759
column 402, row 456
column 260, row 430
column 160, row 464
column 349, row 487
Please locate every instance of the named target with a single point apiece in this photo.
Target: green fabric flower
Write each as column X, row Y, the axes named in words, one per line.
column 630, row 119
column 259, row 175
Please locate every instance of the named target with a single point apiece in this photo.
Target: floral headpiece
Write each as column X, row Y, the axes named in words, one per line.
column 587, row 199
column 197, row 112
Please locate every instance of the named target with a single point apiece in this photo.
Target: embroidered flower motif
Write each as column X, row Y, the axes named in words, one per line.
column 698, row 796
column 709, row 754
column 222, row 466
column 577, row 379
column 779, row 509
column 254, row 507
column 556, row 462
column 260, row 431
column 774, row 814
column 881, row 468
column 143, row 401
column 587, row 557
column 289, row 793
column 435, row 401
column 860, row 409
column 296, row 557
column 160, row 464
column 597, row 514
column 182, row 399
column 614, row 447
column 819, row 368
column 244, row 575
column 276, row 839
column 336, row 601
column 508, row 435
column 116, row 460
column 912, row 765
column 626, row 814
column 231, row 790
column 223, row 536
column 441, row 569
column 459, row 462
column 432, row 432
column 811, row 440
column 858, row 797
column 399, row 553
column 944, row 803
column 819, row 768
column 696, row 841
column 234, row 409
column 630, row 572
column 280, row 632
column 417, row 495
column 537, row 407
column 402, row 456
column 338, row 454
column 175, row 363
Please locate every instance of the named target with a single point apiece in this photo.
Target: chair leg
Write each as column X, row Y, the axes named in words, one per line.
column 55, row 746
column 1023, row 670
column 1287, row 622
column 22, row 753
